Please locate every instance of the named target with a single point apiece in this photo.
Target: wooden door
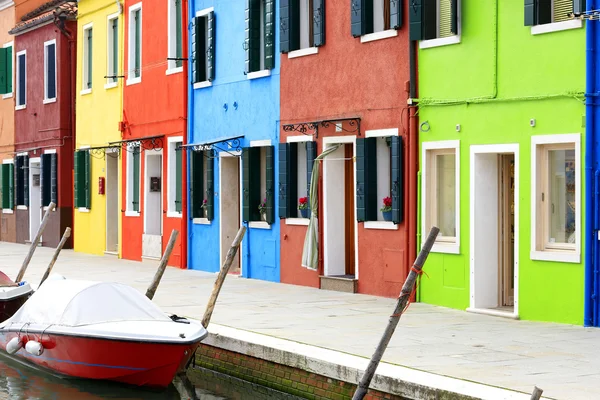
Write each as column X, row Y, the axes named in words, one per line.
column 349, row 208
column 507, row 225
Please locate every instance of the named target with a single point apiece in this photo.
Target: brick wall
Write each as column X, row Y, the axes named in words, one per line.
column 279, row 377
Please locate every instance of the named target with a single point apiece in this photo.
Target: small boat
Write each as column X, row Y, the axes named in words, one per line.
column 100, row 330
column 12, row 296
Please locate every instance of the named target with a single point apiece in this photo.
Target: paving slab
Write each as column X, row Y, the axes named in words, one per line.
column 563, row 360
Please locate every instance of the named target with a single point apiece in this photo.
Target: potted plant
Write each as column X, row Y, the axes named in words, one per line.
column 204, row 207
column 387, row 209
column 262, row 208
column 303, row 206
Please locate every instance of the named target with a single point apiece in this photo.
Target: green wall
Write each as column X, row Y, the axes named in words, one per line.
column 492, row 83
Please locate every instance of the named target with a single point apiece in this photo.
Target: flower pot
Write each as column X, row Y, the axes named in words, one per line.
column 387, row 215
column 304, row 213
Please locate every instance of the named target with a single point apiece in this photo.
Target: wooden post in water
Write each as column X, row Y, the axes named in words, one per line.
column 162, row 266
column 35, row 242
column 537, row 393
column 64, row 239
column 405, row 293
column 221, row 277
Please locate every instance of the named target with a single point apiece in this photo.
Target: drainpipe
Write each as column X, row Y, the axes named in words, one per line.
column 184, row 205
column 189, row 95
column 413, row 157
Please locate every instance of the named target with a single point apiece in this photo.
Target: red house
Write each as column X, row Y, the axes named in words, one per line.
column 153, row 128
column 353, row 58
column 44, row 46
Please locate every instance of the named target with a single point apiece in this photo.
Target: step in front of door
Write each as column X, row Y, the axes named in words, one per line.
column 345, row 283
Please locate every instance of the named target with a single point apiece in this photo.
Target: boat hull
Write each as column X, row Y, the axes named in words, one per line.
column 139, row 363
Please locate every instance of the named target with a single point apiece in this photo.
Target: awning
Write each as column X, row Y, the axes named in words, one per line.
column 228, row 144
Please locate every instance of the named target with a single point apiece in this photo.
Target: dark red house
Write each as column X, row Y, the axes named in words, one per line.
column 45, row 51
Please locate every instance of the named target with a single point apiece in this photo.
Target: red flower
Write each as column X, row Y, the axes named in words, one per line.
column 387, row 201
column 303, row 200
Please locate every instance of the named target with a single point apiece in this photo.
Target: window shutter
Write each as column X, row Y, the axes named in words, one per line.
column 578, row 6
column 77, row 177
column 270, row 183
column 311, row 154
column 4, row 77
column 115, row 49
column 454, row 17
column 194, row 52
column 11, row 186
column 22, row 95
column 294, row 25
column 246, row 184
column 210, row 185
column 5, row 186
column 284, row 25
column 45, row 179
column 284, row 174
column 366, row 179
column 178, row 176
column 9, row 68
column 252, row 33
column 25, row 177
column 429, row 19
column 87, row 176
column 90, row 61
column 544, row 12
column 319, row 22
column 136, row 179
column 361, row 17
column 178, row 33
column 415, row 16
column 19, row 180
column 210, row 52
column 397, row 180
column 51, row 85
column 196, row 176
column 54, row 178
column 251, row 183
column 269, row 34
column 138, row 39
column 396, row 14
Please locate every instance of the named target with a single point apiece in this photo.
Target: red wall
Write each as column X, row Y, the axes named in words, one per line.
column 348, row 78
column 153, row 107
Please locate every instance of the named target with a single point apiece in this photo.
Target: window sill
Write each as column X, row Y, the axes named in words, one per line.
column 556, row 256
column 133, row 81
column 201, row 221
column 173, row 71
column 173, row 214
column 49, row 101
column 556, row 27
column 7, row 96
column 201, row 85
column 85, row 91
column 448, row 248
column 111, row 85
column 83, row 210
column 132, row 213
column 259, row 225
column 17, row 108
column 427, row 44
column 259, row 74
column 309, row 51
column 297, row 221
column 371, row 37
column 22, row 208
column 385, row 225
column 7, row 211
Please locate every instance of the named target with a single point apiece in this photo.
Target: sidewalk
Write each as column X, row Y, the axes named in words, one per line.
column 563, row 360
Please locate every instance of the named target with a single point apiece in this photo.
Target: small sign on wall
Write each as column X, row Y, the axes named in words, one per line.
column 154, row 184
column 36, row 180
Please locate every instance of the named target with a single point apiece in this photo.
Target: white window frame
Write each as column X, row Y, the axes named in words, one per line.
column 84, row 53
column 306, row 51
column 18, row 77
column 441, row 245
column 379, row 35
column 129, row 185
column 12, row 73
column 259, row 224
column 539, row 252
column 47, row 99
column 172, row 38
column 110, row 51
column 206, row 83
column 131, row 48
column 8, row 161
column 171, row 174
column 455, row 39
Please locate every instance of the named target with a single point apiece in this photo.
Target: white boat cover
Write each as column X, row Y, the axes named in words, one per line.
column 78, row 303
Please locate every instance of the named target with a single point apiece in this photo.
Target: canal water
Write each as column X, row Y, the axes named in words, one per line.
column 21, row 382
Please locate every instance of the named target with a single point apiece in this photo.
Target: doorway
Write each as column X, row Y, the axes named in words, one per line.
column 112, row 203
column 494, row 229
column 35, row 197
column 152, row 237
column 339, row 211
column 229, row 184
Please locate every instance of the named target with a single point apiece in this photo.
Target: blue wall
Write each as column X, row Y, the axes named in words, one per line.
column 256, row 118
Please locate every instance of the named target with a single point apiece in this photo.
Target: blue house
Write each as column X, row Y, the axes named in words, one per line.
column 233, row 131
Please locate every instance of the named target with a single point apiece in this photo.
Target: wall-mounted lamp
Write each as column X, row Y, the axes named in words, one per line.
column 532, row 122
column 457, row 127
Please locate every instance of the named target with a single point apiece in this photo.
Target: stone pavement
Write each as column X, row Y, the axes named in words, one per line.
column 563, row 360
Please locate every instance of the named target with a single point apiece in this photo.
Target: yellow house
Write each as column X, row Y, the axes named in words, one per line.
column 99, row 103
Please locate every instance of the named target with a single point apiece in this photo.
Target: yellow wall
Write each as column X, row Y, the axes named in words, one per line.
column 98, row 116
column 7, row 104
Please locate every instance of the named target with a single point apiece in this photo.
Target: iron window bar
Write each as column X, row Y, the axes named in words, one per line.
column 591, row 15
column 304, row 127
column 99, row 152
column 143, row 143
column 231, row 145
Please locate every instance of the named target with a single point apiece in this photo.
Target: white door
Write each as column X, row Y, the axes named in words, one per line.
column 112, row 202
column 35, row 197
column 153, row 184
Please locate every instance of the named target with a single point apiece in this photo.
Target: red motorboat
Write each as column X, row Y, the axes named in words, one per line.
column 100, row 330
column 12, row 296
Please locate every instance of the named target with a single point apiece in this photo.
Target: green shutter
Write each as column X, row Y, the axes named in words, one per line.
column 9, row 68
column 269, row 38
column 578, row 6
column 318, row 23
column 138, row 40
column 135, row 202
column 25, row 178
column 77, row 177
column 284, row 176
column 210, row 185
column 366, row 179
column 196, row 184
column 246, row 214
column 87, row 173
column 11, row 186
column 4, row 73
column 397, row 168
column 45, row 179
column 252, row 32
column 415, row 16
column 115, row 49
column 54, row 178
column 454, row 17
column 361, row 17
column 5, row 186
column 396, row 14
column 284, row 26
column 19, row 180
column 210, row 52
column 178, row 175
column 270, row 183
column 311, row 154
column 251, row 196
column 178, row 33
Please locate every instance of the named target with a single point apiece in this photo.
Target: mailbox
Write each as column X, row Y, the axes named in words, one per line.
column 154, row 184
column 101, row 186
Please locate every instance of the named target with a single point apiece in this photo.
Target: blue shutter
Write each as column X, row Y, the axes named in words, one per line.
column 311, row 154
column 269, row 34
column 397, row 179
column 319, row 22
column 415, row 16
column 578, row 6
column 284, row 25
column 366, row 179
column 359, row 17
column 210, row 52
column 284, row 172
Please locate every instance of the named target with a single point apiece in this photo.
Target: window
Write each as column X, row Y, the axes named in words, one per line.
column 371, row 16
column 135, row 44
column 8, row 185
column 50, row 71
column 435, row 19
column 48, row 179
column 203, row 48
column 6, row 70
column 21, row 80
column 258, row 184
column 83, row 189
column 22, row 175
column 540, row 12
column 260, row 35
column 112, row 51
column 133, row 180
column 302, row 25
column 87, row 58
column 556, row 197
column 175, row 176
column 296, row 160
column 441, row 191
column 175, row 36
column 201, row 185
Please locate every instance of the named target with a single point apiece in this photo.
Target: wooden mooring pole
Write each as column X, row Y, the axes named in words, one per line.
column 221, row 277
column 537, row 393
column 64, row 239
column 35, row 242
column 405, row 293
column 163, row 265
